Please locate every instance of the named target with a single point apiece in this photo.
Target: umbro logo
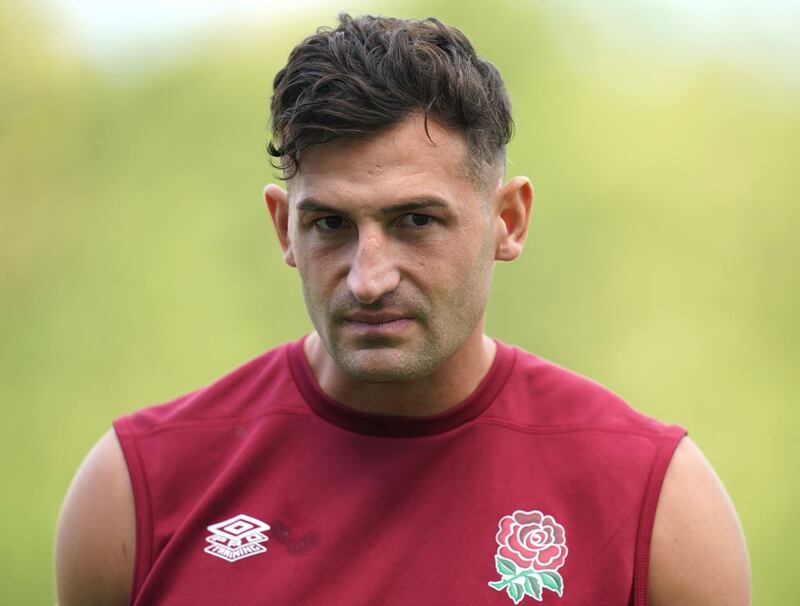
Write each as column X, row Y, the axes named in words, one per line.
column 237, row 538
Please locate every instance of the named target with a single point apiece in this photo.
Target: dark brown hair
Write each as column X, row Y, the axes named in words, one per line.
column 371, row 73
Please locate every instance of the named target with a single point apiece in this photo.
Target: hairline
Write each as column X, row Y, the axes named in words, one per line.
column 483, row 175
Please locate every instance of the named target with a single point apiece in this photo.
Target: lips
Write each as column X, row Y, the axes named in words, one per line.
column 375, row 317
column 381, row 325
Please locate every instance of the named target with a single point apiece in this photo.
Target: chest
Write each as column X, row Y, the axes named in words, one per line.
column 480, row 516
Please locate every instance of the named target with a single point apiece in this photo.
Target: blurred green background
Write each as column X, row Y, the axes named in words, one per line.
column 137, row 261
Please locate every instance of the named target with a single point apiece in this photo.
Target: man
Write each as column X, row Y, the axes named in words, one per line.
column 397, row 455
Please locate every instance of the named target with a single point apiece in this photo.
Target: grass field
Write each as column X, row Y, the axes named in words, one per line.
column 137, row 261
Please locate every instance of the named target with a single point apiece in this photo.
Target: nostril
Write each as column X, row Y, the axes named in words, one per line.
column 370, row 284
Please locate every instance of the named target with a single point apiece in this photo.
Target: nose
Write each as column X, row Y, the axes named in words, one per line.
column 373, row 272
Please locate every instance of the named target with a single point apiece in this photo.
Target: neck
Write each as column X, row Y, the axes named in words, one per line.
column 443, row 389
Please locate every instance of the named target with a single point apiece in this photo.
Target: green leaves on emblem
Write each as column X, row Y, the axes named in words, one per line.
column 515, row 592
column 553, row 581
column 533, row 586
column 519, row 582
column 505, row 566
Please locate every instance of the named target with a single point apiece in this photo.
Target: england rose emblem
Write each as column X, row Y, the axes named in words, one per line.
column 531, row 547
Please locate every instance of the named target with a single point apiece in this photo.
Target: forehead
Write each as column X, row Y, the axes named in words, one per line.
column 401, row 162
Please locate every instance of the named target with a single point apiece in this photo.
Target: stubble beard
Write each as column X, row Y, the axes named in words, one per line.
column 439, row 334
column 381, row 360
column 435, row 339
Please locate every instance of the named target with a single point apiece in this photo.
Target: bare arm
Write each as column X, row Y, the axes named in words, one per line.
column 95, row 538
column 698, row 555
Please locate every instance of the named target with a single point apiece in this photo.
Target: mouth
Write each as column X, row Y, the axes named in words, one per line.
column 375, row 317
column 381, row 323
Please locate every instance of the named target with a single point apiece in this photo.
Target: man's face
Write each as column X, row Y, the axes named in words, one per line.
column 395, row 249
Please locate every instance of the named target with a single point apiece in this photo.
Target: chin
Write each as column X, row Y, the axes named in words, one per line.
column 382, row 366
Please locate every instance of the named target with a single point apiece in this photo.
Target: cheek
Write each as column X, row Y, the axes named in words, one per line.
column 435, row 272
column 320, row 269
column 459, row 254
column 315, row 283
column 458, row 280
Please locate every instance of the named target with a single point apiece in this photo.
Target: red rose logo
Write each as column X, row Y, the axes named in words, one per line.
column 532, row 540
column 531, row 547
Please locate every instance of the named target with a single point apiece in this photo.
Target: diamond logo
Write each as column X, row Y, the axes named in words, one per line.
column 237, row 538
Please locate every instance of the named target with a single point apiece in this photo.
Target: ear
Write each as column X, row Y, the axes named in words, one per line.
column 278, row 205
column 513, row 203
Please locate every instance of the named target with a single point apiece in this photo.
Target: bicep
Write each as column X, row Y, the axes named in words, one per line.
column 698, row 555
column 96, row 530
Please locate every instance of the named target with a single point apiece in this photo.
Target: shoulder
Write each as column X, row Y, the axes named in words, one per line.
column 542, row 393
column 698, row 555
column 95, row 538
column 260, row 382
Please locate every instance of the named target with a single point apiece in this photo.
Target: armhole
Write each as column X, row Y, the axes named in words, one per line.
column 641, row 564
column 141, row 501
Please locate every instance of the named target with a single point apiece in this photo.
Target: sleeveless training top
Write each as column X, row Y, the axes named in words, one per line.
column 259, row 489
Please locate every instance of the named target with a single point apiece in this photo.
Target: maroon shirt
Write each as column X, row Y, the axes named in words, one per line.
column 259, row 489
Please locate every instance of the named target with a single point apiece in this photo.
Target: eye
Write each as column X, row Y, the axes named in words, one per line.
column 331, row 223
column 415, row 220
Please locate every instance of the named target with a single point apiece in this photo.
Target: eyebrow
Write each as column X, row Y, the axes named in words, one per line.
column 315, row 206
